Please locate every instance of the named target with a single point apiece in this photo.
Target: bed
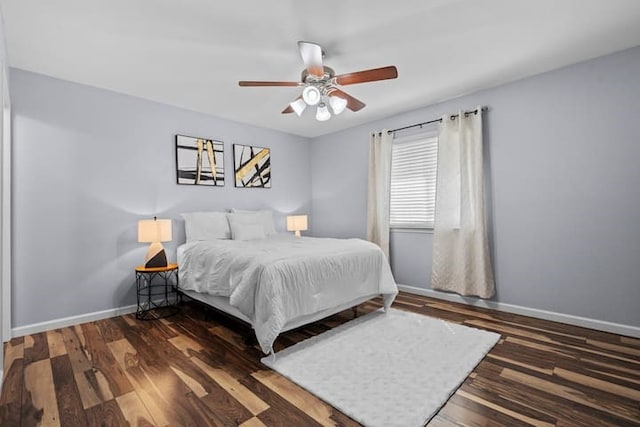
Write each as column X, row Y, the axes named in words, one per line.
column 278, row 282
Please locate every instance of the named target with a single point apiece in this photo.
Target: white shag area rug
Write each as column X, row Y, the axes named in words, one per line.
column 386, row 369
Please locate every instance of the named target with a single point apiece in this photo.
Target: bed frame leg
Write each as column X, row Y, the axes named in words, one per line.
column 250, row 339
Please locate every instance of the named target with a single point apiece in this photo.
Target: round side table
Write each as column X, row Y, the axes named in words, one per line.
column 157, row 296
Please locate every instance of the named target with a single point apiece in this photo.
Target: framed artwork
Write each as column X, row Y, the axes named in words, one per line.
column 199, row 161
column 252, row 166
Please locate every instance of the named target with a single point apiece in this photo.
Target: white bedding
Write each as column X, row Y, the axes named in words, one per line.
column 280, row 278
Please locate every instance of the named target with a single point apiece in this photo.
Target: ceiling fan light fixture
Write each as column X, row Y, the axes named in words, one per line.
column 338, row 104
column 322, row 113
column 320, row 83
column 298, row 106
column 311, row 95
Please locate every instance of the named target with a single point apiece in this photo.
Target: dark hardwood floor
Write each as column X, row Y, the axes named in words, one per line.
column 194, row 369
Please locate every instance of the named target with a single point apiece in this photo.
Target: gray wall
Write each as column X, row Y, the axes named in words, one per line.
column 5, row 201
column 562, row 155
column 563, row 169
column 89, row 163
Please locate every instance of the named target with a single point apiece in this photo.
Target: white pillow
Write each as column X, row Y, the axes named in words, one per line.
column 238, row 221
column 206, row 226
column 247, row 231
column 264, row 216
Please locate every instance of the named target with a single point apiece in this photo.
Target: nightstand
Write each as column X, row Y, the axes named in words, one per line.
column 157, row 296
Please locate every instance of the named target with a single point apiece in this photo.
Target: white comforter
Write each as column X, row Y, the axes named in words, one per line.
column 281, row 278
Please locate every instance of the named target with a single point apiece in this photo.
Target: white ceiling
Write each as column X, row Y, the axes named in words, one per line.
column 191, row 53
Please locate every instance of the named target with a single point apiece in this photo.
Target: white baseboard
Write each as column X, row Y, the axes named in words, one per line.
column 72, row 320
column 585, row 322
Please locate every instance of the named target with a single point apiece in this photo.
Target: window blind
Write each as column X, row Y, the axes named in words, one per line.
column 413, row 182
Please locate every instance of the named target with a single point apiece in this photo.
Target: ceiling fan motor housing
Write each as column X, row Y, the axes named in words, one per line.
column 310, row 78
column 324, row 83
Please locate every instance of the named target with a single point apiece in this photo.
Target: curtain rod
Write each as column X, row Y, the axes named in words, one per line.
column 453, row 116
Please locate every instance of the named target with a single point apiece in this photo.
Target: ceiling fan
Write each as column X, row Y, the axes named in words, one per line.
column 320, row 84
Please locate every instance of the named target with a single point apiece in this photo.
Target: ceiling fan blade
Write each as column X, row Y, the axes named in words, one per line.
column 245, row 83
column 311, row 54
column 375, row 74
column 353, row 104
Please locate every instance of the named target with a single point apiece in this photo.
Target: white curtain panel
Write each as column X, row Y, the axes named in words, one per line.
column 461, row 261
column 378, row 191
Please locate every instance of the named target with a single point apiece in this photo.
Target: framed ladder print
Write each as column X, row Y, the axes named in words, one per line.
column 199, row 161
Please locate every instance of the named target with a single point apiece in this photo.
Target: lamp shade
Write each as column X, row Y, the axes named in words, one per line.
column 297, row 223
column 298, row 106
column 322, row 113
column 311, row 95
column 338, row 104
column 154, row 230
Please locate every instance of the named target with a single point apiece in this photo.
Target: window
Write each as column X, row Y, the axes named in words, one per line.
column 413, row 181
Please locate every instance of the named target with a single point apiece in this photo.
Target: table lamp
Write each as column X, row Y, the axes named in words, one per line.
column 154, row 231
column 296, row 223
